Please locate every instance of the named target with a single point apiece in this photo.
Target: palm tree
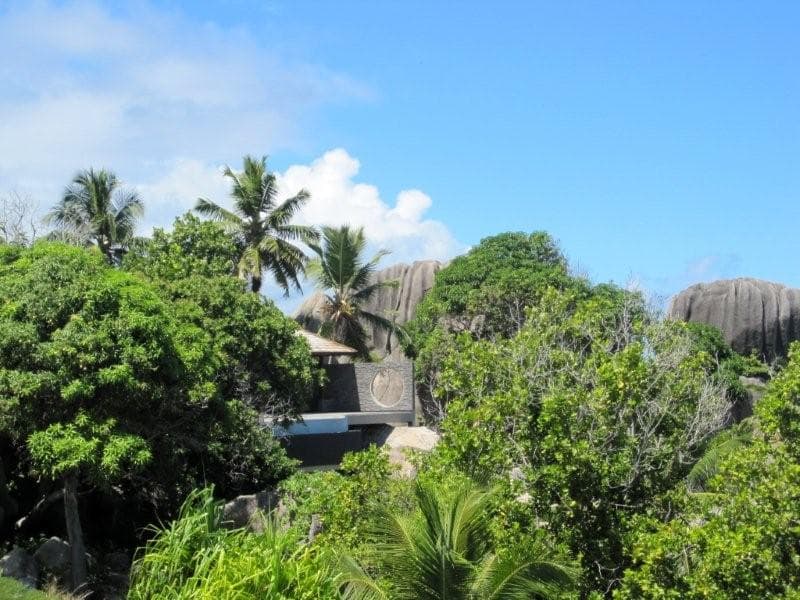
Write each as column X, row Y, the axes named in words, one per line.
column 342, row 273
column 263, row 226
column 441, row 552
column 95, row 209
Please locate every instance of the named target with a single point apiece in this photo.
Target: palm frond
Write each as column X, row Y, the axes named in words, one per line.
column 283, row 213
column 377, row 321
column 365, row 293
column 357, row 584
column 93, row 207
column 212, row 210
column 522, row 578
column 723, row 445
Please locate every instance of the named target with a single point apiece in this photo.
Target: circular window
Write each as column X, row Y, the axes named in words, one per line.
column 387, row 388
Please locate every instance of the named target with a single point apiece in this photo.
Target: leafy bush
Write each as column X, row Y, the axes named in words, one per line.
column 485, row 294
column 496, row 280
column 442, row 549
column 740, row 537
column 584, row 418
column 196, row 558
column 133, row 395
column 259, row 359
column 347, row 501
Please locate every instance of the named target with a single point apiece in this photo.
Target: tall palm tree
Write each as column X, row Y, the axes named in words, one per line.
column 95, row 209
column 263, row 226
column 346, row 278
column 441, row 552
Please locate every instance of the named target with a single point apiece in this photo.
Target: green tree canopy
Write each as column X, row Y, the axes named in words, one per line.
column 486, row 293
column 442, row 551
column 495, row 282
column 259, row 358
column 109, row 384
column 587, row 416
column 739, row 538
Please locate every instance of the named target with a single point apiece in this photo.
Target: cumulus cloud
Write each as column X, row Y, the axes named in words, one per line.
column 337, row 197
column 164, row 100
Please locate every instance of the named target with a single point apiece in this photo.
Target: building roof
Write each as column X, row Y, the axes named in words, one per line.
column 321, row 346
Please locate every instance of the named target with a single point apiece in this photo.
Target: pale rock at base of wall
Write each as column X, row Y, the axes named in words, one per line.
column 401, row 441
column 53, row 557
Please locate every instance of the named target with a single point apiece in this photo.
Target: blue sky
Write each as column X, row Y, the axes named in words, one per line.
column 658, row 141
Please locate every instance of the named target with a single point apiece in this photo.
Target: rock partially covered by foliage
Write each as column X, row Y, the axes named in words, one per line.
column 397, row 303
column 753, row 315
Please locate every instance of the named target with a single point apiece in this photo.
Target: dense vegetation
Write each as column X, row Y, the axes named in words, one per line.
column 588, row 448
column 128, row 392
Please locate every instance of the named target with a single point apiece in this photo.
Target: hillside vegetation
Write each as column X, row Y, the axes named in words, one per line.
column 589, row 448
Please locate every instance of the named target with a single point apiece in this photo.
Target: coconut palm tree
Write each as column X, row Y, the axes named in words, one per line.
column 95, row 209
column 263, row 225
column 347, row 281
column 441, row 552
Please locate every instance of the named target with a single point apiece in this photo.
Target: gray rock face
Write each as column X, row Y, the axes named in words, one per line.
column 20, row 565
column 753, row 315
column 397, row 304
column 53, row 557
column 247, row 511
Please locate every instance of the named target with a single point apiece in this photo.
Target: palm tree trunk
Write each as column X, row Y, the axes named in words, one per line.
column 74, row 532
column 255, row 283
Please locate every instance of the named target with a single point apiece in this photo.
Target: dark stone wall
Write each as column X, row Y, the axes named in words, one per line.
column 322, row 448
column 368, row 387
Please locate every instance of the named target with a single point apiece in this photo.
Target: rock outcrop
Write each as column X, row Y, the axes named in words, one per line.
column 20, row 565
column 53, row 557
column 248, row 510
column 753, row 315
column 395, row 303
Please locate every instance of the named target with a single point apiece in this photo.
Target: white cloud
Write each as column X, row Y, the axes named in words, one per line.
column 337, row 198
column 83, row 86
column 164, row 100
column 177, row 192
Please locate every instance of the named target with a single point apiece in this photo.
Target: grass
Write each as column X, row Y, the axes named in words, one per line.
column 195, row 558
column 11, row 589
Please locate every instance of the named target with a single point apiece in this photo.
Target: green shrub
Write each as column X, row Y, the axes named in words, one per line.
column 347, row 501
column 196, row 558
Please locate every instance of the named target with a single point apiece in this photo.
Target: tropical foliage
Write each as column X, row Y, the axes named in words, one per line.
column 341, row 271
column 260, row 359
column 196, row 558
column 485, row 293
column 106, row 383
column 96, row 209
column 442, row 551
column 263, row 226
column 740, row 537
column 589, row 448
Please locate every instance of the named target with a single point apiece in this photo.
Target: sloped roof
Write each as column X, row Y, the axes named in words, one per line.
column 321, row 346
